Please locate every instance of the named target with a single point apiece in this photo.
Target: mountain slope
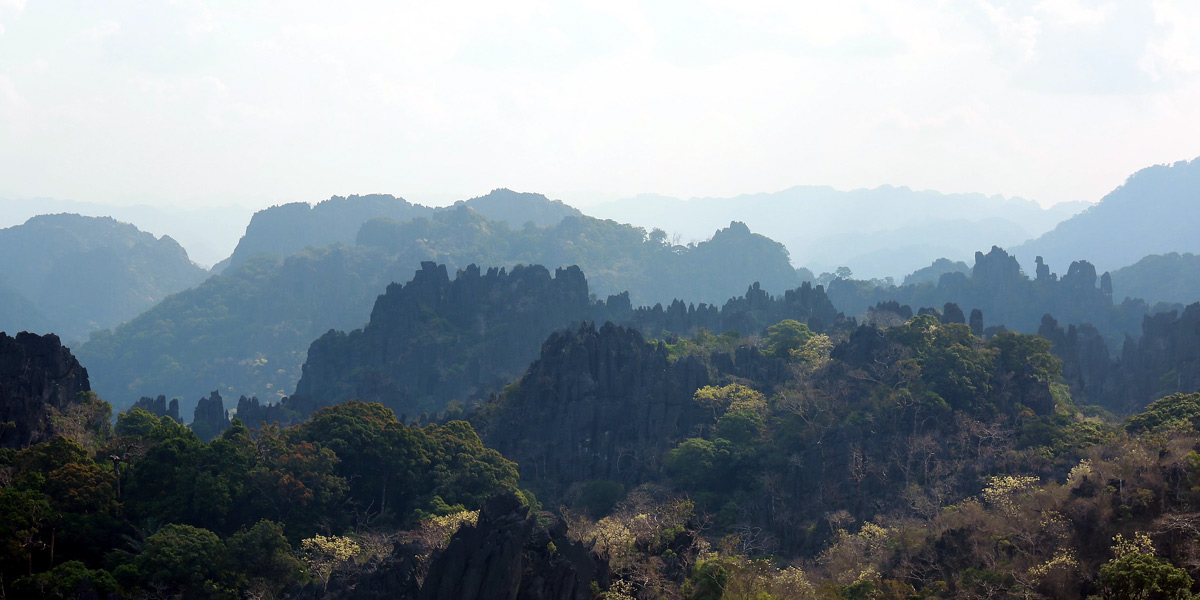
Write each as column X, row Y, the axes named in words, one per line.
column 1154, row 212
column 518, row 208
column 1171, row 277
column 88, row 273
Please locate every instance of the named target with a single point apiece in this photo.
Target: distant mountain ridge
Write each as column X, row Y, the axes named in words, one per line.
column 875, row 232
column 208, row 233
column 1170, row 277
column 289, row 228
column 1154, row 212
column 87, row 273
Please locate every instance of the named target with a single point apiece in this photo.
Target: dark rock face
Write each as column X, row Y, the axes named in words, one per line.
column 1006, row 297
column 507, row 555
column 210, row 417
column 159, row 407
column 37, row 375
column 752, row 312
column 599, row 404
column 1163, row 361
column 433, row 340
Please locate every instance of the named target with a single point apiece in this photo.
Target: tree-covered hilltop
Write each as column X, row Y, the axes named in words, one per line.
column 246, row 331
column 518, row 208
column 285, row 229
column 80, row 274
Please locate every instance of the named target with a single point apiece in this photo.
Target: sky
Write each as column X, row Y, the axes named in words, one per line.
column 196, row 102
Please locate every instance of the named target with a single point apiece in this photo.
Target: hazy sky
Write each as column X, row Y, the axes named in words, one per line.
column 204, row 102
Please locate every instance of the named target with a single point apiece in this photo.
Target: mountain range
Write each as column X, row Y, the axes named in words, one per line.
column 881, row 232
column 79, row 274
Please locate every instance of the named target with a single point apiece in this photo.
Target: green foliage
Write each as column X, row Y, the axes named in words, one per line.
column 1135, row 573
column 697, row 463
column 598, row 498
column 786, row 337
column 397, row 468
column 1174, row 411
column 954, row 363
column 65, row 581
column 704, row 344
column 1016, row 351
column 261, row 558
column 181, row 557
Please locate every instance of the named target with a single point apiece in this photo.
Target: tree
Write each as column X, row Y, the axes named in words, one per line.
column 181, row 557
column 324, row 555
column 1136, row 573
column 786, row 337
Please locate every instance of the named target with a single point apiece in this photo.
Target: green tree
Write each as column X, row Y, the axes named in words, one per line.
column 786, row 337
column 181, row 557
column 1135, row 573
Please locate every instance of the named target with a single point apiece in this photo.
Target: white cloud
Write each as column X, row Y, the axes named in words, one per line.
column 624, row 96
column 1077, row 12
column 102, row 30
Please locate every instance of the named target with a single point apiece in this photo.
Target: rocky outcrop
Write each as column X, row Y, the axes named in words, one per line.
column 210, row 418
column 1007, row 297
column 750, row 313
column 1164, row 360
column 433, row 340
column 506, row 555
column 38, row 376
column 600, row 403
column 159, row 407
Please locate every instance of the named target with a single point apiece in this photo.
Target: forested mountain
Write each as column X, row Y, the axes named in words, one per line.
column 616, row 257
column 886, row 231
column 289, row 228
column 1170, row 277
column 18, row 313
column 87, row 273
column 246, row 331
column 518, row 208
column 1152, row 213
column 436, row 340
column 285, row 229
